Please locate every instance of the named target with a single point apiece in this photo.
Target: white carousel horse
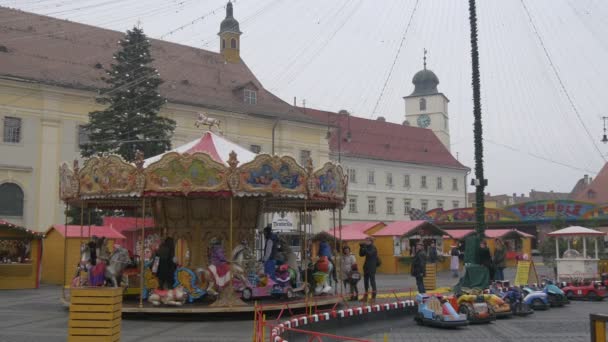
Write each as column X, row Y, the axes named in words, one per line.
column 108, row 267
column 119, row 260
column 204, row 120
column 216, row 279
column 174, row 297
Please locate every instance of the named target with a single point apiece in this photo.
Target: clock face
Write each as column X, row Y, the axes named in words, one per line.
column 424, row 121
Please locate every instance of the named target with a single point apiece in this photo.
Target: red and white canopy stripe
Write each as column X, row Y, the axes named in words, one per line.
column 217, row 147
column 576, row 231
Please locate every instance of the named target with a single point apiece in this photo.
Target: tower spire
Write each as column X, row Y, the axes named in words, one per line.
column 424, row 59
column 230, row 36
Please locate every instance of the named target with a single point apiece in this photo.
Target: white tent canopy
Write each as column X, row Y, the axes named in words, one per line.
column 576, row 231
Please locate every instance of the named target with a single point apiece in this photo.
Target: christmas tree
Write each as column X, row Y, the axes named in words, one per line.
column 131, row 120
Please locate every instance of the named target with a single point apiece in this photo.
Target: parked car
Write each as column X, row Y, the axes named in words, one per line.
column 438, row 311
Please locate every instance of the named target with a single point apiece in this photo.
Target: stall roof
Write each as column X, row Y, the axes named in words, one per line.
column 99, row 231
column 576, row 231
column 121, row 223
column 460, row 233
column 401, row 228
column 355, row 231
column 13, row 227
column 498, row 233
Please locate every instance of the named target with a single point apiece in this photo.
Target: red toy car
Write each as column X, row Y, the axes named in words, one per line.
column 590, row 291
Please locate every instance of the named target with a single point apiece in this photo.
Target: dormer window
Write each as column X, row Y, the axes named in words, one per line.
column 250, row 96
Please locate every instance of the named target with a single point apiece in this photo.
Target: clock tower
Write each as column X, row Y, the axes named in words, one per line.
column 426, row 107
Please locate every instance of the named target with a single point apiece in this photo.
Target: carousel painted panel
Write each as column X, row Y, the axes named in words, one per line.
column 109, row 176
column 68, row 182
column 186, row 173
column 279, row 176
column 329, row 182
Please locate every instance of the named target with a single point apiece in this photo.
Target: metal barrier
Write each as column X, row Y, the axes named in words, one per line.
column 598, row 327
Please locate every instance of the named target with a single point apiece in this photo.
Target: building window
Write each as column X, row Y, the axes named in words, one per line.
column 370, row 177
column 407, row 205
column 12, row 130
column 406, row 181
column 223, row 44
column 445, row 124
column 250, row 96
column 439, row 183
column 11, row 200
column 255, row 148
column 389, row 179
column 352, row 204
column 390, row 208
column 233, row 43
column 455, row 184
column 440, row 204
column 83, row 136
column 352, row 176
column 422, row 104
column 423, row 182
column 455, row 204
column 424, row 205
column 371, row 205
column 304, row 157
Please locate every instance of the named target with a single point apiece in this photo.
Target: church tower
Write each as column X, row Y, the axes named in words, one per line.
column 230, row 37
column 426, row 107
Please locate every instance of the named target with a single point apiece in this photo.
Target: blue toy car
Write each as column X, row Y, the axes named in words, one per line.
column 436, row 311
column 538, row 300
column 515, row 298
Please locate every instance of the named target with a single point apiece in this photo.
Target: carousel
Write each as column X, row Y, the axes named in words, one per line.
column 207, row 199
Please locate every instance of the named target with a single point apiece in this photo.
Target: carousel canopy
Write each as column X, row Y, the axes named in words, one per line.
column 75, row 231
column 409, row 228
column 124, row 223
column 217, row 147
column 576, row 231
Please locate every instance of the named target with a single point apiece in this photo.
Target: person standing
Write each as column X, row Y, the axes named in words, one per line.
column 347, row 263
column 369, row 251
column 419, row 267
column 485, row 258
column 270, row 252
column 455, row 261
column 166, row 264
column 499, row 260
column 325, row 251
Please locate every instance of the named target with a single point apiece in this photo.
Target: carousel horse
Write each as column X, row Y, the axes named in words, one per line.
column 286, row 256
column 174, row 297
column 119, row 260
column 220, row 272
column 108, row 267
column 204, row 120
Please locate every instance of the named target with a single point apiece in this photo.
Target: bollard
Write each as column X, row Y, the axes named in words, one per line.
column 598, row 327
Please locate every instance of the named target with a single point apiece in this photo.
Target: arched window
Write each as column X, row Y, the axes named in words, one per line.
column 233, row 43
column 422, row 104
column 11, row 200
column 223, row 44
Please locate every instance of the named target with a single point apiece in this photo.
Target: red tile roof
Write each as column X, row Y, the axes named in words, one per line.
column 60, row 52
column 597, row 191
column 355, row 231
column 122, row 224
column 386, row 141
column 99, row 231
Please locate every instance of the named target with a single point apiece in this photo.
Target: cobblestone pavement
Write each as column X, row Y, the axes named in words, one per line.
column 37, row 315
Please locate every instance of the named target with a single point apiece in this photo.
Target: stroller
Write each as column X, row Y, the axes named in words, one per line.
column 353, row 278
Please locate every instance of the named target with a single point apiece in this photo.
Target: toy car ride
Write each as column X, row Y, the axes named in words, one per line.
column 475, row 307
column 515, row 298
column 437, row 311
column 590, row 291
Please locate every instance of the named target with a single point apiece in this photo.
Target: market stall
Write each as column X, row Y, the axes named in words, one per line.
column 20, row 251
column 572, row 263
column 354, row 234
column 209, row 193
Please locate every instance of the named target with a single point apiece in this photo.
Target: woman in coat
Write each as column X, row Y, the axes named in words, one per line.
column 347, row 261
column 455, row 261
column 499, row 260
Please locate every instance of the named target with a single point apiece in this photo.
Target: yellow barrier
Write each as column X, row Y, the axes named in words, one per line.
column 95, row 314
column 598, row 327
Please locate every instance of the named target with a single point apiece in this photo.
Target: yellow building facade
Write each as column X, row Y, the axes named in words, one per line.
column 44, row 100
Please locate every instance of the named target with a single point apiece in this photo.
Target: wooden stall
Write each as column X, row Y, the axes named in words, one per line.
column 20, row 250
column 354, row 234
column 54, row 270
column 395, row 244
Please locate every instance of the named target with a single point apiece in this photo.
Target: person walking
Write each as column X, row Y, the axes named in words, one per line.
column 348, row 263
column 455, row 260
column 499, row 260
column 419, row 267
column 369, row 251
column 485, row 258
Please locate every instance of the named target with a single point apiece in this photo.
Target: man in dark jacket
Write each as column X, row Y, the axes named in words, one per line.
column 369, row 251
column 485, row 258
column 419, row 267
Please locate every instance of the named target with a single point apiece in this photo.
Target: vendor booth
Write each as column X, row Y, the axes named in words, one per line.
column 60, row 243
column 576, row 263
column 354, row 234
column 20, row 251
column 397, row 240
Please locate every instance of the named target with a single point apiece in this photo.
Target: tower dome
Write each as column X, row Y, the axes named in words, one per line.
column 425, row 83
column 229, row 24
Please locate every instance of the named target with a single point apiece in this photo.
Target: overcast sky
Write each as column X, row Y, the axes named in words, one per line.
column 338, row 54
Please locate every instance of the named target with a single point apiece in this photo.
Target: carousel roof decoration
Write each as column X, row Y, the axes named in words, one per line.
column 211, row 166
column 577, row 231
column 20, row 230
